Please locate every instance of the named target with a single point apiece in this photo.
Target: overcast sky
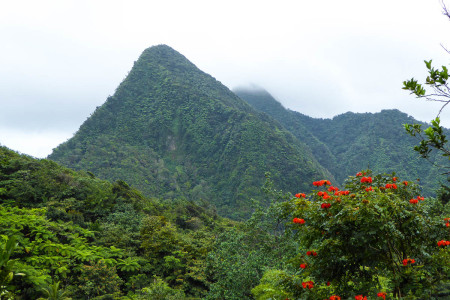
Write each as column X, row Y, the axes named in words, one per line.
column 60, row 59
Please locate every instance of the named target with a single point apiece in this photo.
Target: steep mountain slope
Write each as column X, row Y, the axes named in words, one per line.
column 351, row 142
column 173, row 131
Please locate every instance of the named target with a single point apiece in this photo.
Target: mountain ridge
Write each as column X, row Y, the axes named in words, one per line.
column 174, row 131
column 350, row 142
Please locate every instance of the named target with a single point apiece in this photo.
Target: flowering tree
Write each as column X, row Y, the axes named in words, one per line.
column 378, row 237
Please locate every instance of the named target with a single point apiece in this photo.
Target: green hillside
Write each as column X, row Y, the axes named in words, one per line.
column 98, row 238
column 351, row 142
column 173, row 131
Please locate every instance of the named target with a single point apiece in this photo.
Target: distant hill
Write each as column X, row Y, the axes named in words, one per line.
column 351, row 142
column 174, row 131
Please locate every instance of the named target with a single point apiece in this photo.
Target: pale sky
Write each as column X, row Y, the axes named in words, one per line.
column 60, row 59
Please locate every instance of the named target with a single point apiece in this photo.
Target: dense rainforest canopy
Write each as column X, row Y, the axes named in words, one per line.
column 157, row 169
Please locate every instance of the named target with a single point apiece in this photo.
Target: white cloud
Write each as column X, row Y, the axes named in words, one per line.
column 61, row 59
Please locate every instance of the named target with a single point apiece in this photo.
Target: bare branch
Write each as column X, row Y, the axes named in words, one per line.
column 443, row 106
column 446, row 50
column 445, row 11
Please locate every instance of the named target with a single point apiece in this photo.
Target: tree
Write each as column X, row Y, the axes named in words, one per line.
column 433, row 137
column 378, row 236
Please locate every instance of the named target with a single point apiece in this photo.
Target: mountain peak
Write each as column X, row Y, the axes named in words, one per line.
column 174, row 131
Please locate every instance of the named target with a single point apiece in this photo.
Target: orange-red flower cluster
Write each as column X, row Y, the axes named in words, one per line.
column 313, row 253
column 405, row 183
column 361, row 297
column 416, row 200
column 325, row 205
column 303, row 266
column 391, row 186
column 334, row 297
column 333, row 189
column 321, row 182
column 382, row 295
column 443, row 243
column 369, row 189
column 300, row 195
column 359, row 174
column 342, row 193
column 308, row 284
column 447, row 222
column 408, row 260
column 324, row 195
column 298, row 221
column 366, row 180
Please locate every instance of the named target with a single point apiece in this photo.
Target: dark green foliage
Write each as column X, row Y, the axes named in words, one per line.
column 98, row 238
column 351, row 142
column 175, row 132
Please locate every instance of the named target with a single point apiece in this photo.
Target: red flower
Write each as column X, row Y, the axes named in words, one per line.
column 332, row 188
column 447, row 224
column 321, row 182
column 325, row 205
column 369, row 189
column 405, row 183
column 360, row 297
column 420, row 198
column 394, row 179
column 334, row 297
column 443, row 243
column 413, row 201
column 308, row 284
column 328, row 283
column 391, row 186
column 408, row 260
column 405, row 262
column 298, row 221
column 358, row 174
column 382, row 295
column 342, row 193
column 303, row 266
column 300, row 195
column 366, row 180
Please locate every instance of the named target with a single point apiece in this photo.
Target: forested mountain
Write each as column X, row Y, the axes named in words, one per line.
column 352, row 142
column 173, row 131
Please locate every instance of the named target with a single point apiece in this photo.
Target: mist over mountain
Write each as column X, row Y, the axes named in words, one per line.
column 352, row 142
column 172, row 131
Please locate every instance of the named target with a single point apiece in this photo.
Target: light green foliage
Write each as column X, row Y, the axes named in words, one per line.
column 270, row 286
column 7, row 269
column 160, row 290
column 53, row 292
